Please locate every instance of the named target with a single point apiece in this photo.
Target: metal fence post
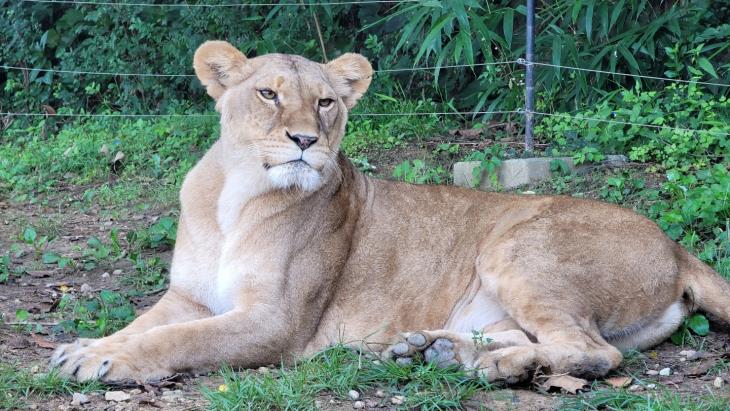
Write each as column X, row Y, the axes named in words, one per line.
column 529, row 86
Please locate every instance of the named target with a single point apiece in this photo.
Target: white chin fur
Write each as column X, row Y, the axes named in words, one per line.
column 294, row 175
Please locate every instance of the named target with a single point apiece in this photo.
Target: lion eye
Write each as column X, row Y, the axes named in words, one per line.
column 267, row 94
column 325, row 102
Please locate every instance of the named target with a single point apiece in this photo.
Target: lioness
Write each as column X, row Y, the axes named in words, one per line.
column 284, row 248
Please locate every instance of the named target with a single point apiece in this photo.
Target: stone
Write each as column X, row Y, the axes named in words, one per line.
column 85, row 288
column 650, row 386
column 79, row 398
column 380, row 394
column 397, row 400
column 117, row 396
column 105, row 275
column 263, row 370
column 665, row 371
column 635, row 387
column 510, row 174
column 615, row 160
column 117, row 272
column 354, row 395
column 719, row 382
column 652, row 372
column 135, row 391
column 358, row 405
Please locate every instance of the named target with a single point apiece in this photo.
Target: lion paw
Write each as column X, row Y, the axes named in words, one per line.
column 103, row 360
column 438, row 350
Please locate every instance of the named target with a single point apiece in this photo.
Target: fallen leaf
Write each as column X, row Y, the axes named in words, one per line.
column 619, row 382
column 700, row 369
column 42, row 342
column 564, row 382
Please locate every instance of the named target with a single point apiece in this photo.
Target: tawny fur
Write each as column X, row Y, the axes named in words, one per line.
column 278, row 258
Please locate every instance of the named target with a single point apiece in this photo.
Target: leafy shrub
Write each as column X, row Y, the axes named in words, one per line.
column 416, row 172
column 95, row 316
column 605, row 129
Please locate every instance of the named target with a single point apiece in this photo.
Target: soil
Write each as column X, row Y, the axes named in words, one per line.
column 39, row 290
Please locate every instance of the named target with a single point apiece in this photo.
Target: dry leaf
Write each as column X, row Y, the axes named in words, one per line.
column 564, row 382
column 619, row 382
column 42, row 342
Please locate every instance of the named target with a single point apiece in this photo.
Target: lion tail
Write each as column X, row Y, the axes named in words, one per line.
column 703, row 287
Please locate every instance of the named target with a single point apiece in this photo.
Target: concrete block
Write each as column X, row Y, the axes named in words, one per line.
column 511, row 173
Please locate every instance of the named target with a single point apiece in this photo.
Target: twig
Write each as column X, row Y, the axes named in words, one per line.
column 319, row 34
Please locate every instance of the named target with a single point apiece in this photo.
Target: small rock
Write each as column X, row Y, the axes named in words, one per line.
column 263, row 370
column 650, row 386
column 354, row 395
column 397, row 400
column 371, row 403
column 105, row 275
column 135, row 391
column 682, row 359
column 380, row 394
column 79, row 399
column 665, row 371
column 117, row 272
column 635, row 387
column 528, row 192
column 117, row 396
column 718, row 383
column 358, row 404
column 652, row 372
column 85, row 288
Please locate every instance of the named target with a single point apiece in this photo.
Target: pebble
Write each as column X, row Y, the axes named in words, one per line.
column 105, row 275
column 354, row 395
column 397, row 400
column 635, row 387
column 652, row 372
column 380, row 394
column 117, row 396
column 263, row 370
column 650, row 386
column 358, row 404
column 117, row 272
column 79, row 399
column 665, row 371
column 135, row 391
column 718, row 383
column 371, row 403
column 85, row 288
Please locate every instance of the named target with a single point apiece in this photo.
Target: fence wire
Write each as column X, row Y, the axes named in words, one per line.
column 122, row 74
column 242, row 4
column 85, row 115
column 707, row 83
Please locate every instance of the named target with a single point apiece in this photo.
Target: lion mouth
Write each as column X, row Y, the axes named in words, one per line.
column 296, row 164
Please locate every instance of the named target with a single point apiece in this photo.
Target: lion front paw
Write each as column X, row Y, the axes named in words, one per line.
column 105, row 360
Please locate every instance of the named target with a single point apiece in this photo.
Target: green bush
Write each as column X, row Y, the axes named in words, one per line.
column 606, row 128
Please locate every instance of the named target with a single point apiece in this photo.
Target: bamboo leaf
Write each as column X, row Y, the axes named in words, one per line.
column 507, row 25
column 576, row 10
column 629, row 58
column 589, row 19
column 617, row 9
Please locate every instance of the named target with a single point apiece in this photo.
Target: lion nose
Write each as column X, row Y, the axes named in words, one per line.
column 303, row 141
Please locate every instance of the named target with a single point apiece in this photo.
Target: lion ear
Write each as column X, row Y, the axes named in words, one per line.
column 351, row 74
column 219, row 66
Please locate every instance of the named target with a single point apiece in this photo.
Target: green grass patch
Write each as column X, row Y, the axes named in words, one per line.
column 337, row 370
column 662, row 400
column 18, row 385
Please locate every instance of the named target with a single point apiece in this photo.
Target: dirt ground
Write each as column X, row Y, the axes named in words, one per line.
column 40, row 289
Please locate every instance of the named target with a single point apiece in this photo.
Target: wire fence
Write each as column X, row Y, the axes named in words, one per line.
column 519, row 61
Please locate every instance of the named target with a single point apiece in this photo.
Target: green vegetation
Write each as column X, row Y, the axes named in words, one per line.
column 17, row 385
column 337, row 370
column 652, row 401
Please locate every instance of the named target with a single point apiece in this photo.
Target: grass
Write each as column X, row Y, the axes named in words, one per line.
column 662, row 400
column 337, row 370
column 17, row 385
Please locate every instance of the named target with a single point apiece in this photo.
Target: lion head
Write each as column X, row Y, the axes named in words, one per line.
column 283, row 113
